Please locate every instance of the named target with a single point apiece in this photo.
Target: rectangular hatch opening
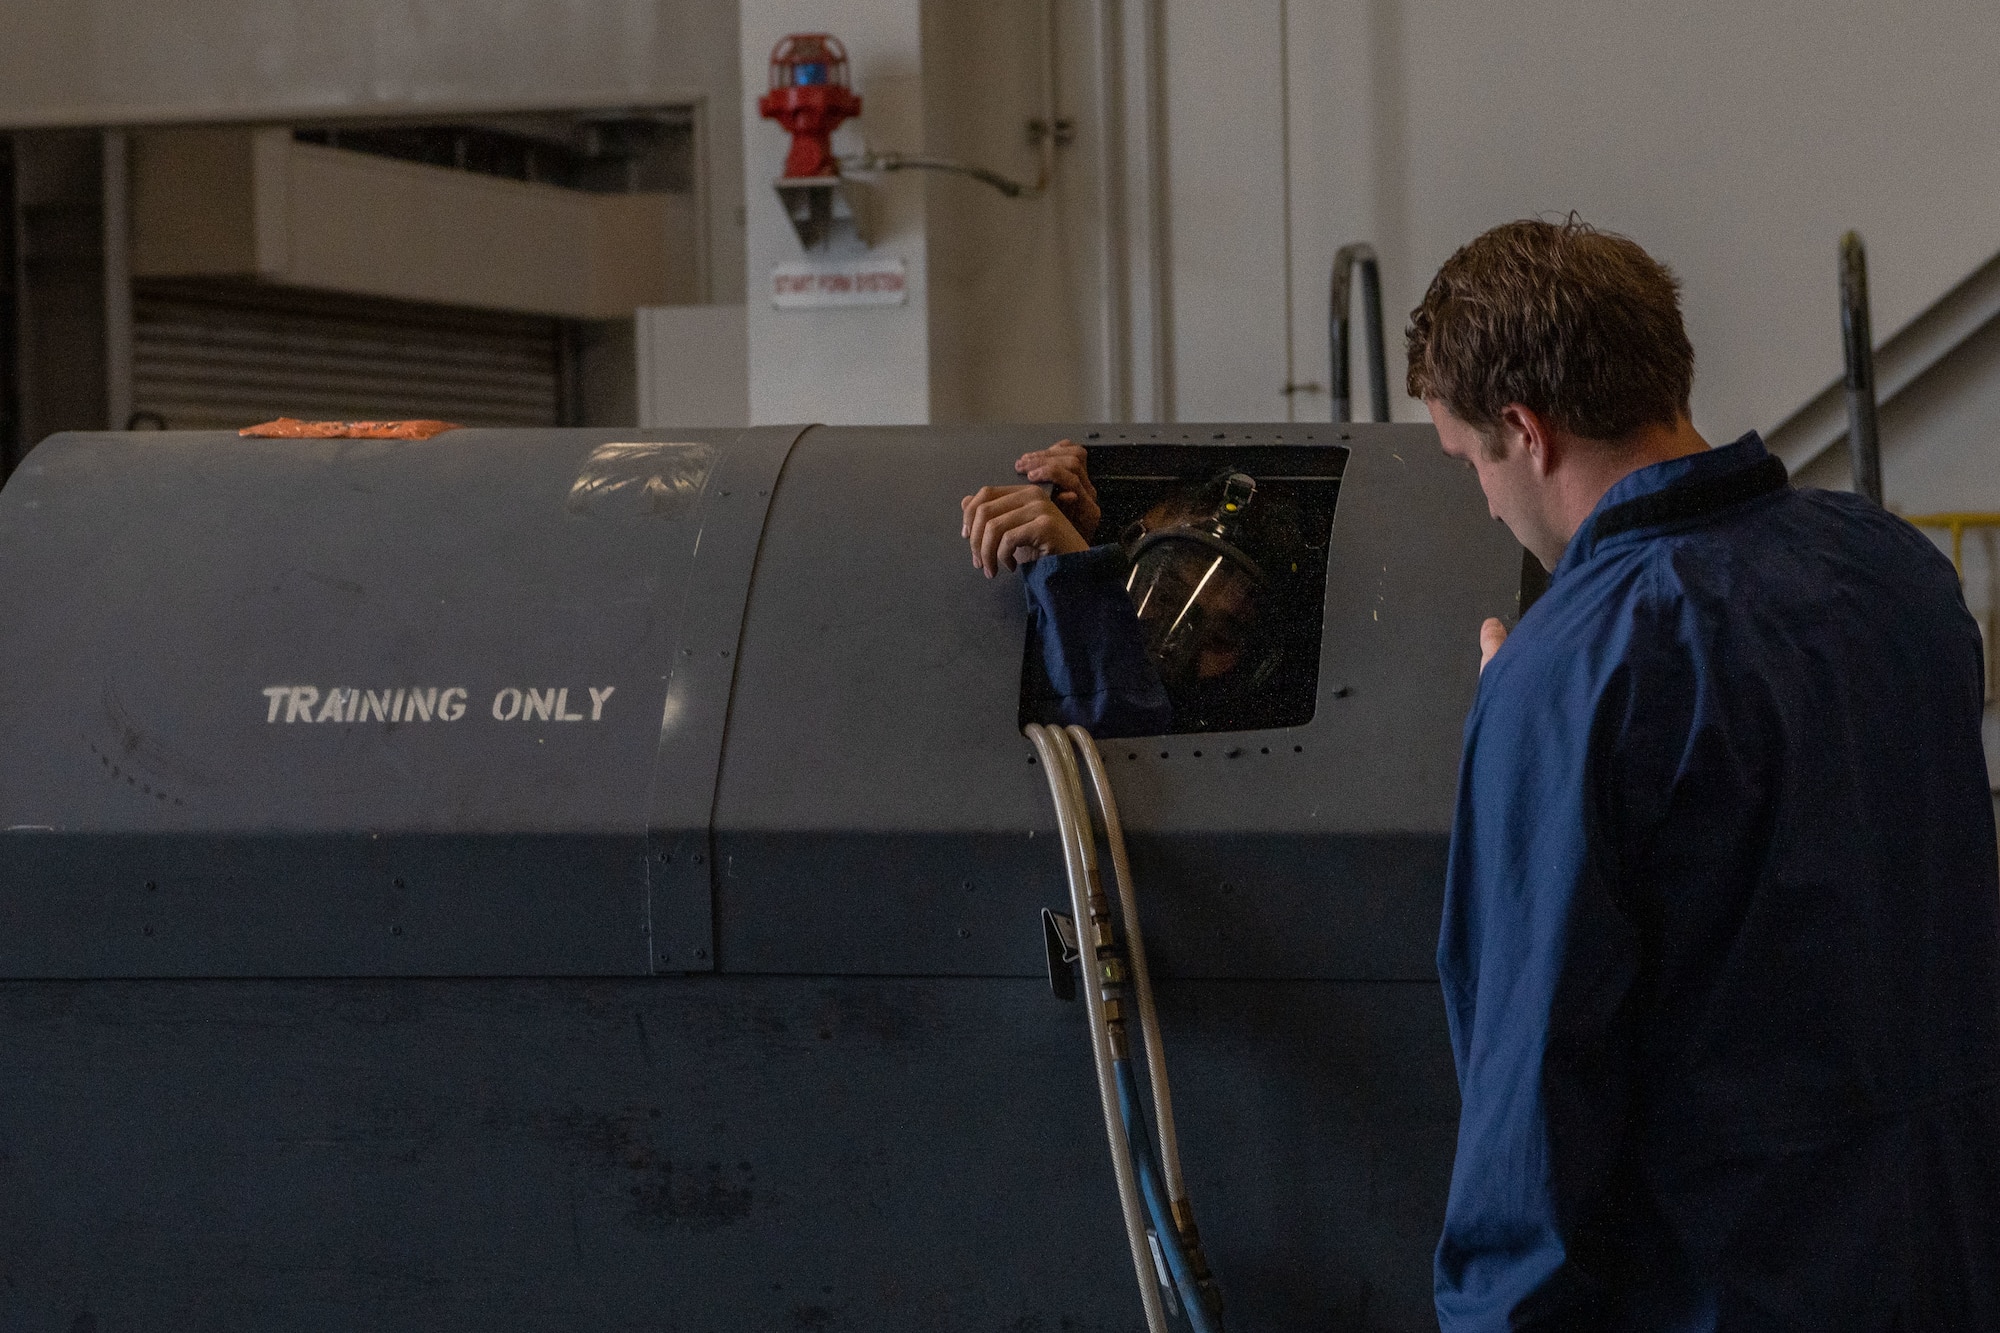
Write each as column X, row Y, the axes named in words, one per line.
column 1270, row 678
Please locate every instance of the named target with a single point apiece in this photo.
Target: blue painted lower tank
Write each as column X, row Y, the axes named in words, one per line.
column 592, row 879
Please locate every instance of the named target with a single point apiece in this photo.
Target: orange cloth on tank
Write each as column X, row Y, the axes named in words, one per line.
column 291, row 428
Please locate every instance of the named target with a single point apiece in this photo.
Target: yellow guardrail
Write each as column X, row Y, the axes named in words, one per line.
column 1956, row 524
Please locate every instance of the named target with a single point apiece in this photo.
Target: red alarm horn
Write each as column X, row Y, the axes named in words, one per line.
column 810, row 97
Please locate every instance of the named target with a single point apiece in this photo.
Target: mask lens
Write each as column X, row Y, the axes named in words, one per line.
column 1192, row 600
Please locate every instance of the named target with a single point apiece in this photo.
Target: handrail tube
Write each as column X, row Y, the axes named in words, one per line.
column 1864, row 440
column 1955, row 523
column 1338, row 287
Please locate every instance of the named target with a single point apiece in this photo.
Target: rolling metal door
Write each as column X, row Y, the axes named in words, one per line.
column 214, row 355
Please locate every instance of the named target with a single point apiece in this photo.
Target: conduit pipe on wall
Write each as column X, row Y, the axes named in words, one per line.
column 1048, row 133
column 1051, row 135
column 1114, row 323
column 871, row 160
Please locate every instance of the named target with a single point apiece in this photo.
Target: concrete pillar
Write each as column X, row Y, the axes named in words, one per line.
column 59, row 271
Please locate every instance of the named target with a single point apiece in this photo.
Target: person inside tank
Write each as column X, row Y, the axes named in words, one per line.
column 1161, row 630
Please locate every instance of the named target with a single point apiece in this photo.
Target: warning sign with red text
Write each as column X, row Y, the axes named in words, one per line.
column 811, row 286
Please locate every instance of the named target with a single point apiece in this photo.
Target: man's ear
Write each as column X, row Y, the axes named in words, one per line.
column 1528, row 429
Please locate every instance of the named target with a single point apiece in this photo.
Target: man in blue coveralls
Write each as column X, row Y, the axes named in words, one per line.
column 1721, row 942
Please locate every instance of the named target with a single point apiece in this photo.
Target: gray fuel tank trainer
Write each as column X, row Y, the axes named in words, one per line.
column 592, row 879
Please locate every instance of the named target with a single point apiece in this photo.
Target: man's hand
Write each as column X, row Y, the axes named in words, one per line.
column 1062, row 465
column 1010, row 526
column 1491, row 635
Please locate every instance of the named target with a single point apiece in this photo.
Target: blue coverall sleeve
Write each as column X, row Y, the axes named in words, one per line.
column 1091, row 645
column 1541, row 955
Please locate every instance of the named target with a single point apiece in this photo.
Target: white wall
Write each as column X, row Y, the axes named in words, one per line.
column 104, row 62
column 1735, row 139
column 1226, row 185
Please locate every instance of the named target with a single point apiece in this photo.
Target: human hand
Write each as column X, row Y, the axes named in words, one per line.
column 1010, row 526
column 1063, row 466
column 1491, row 635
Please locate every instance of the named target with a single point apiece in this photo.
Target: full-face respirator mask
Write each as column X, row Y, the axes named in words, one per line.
column 1192, row 585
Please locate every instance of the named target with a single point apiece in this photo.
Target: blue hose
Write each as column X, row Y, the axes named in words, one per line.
column 1141, row 1139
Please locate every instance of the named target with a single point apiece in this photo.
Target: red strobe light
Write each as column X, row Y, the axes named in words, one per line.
column 810, row 97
